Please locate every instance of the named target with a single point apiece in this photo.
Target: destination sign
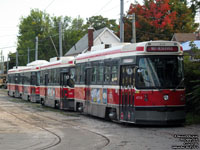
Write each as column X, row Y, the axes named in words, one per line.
column 162, row 49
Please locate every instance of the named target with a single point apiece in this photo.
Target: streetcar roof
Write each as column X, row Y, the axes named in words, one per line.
column 62, row 62
column 37, row 63
column 129, row 49
column 22, row 69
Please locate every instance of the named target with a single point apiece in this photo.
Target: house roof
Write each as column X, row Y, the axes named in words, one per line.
column 186, row 45
column 183, row 37
column 82, row 44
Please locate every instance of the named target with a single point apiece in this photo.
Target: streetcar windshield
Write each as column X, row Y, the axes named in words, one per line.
column 160, row 72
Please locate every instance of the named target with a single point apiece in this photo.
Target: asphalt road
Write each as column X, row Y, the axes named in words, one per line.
column 29, row 126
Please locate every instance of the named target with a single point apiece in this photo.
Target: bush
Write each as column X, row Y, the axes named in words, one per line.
column 192, row 81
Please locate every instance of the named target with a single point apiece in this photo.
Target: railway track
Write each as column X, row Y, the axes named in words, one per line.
column 38, row 116
column 50, row 145
column 59, row 139
column 107, row 140
column 67, row 122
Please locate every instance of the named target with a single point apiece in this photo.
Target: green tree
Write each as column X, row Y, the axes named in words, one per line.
column 192, row 79
column 185, row 19
column 98, row 22
column 195, row 5
column 46, row 27
column 74, row 33
column 38, row 24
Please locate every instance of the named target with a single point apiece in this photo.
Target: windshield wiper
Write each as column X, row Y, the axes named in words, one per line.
column 179, row 84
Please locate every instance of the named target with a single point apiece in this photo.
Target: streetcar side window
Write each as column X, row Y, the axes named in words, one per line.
column 114, row 74
column 33, row 78
column 71, row 79
column 55, row 81
column 107, row 74
column 38, row 78
column 78, row 73
column 16, row 78
column 58, row 75
column 27, row 76
column 41, row 78
column 9, row 78
column 94, row 74
column 13, row 79
column 82, row 73
column 100, row 74
column 49, row 77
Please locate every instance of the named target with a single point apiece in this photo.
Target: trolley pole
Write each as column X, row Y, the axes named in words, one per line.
column 60, row 39
column 122, row 21
column 36, row 48
column 28, row 55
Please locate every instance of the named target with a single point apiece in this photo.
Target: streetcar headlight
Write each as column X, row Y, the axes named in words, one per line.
column 165, row 97
column 146, row 97
column 182, row 97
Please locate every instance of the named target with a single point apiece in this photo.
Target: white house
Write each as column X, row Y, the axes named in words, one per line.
column 93, row 38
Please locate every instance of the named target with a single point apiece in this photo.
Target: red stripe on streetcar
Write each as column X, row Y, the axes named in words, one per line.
column 101, row 54
column 141, row 48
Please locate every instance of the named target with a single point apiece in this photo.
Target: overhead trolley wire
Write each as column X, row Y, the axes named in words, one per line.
column 49, row 4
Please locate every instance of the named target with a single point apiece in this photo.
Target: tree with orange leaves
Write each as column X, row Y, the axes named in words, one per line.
column 159, row 19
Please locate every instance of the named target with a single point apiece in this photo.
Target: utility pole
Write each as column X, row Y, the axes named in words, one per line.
column 36, row 48
column 134, row 29
column 122, row 21
column 17, row 59
column 3, row 65
column 8, row 59
column 60, row 39
column 28, row 55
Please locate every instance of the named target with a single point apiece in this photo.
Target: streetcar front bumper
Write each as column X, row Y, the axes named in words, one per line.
column 160, row 115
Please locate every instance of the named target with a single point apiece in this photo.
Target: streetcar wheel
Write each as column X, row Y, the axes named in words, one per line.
column 56, row 105
column 42, row 102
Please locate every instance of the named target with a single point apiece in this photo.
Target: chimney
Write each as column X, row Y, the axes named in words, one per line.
column 90, row 37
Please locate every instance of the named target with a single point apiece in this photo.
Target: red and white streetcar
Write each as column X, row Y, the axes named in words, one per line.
column 14, row 84
column 57, row 83
column 31, row 80
column 24, row 81
column 138, row 83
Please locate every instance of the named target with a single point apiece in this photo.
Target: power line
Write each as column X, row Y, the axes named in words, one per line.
column 49, row 4
column 102, row 7
column 7, row 47
column 8, row 35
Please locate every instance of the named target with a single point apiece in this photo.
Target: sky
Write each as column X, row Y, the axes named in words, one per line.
column 12, row 10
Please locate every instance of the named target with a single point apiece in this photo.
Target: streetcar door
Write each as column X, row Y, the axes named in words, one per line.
column 127, row 83
column 33, row 84
column 16, row 85
column 46, row 80
column 64, row 76
column 87, row 90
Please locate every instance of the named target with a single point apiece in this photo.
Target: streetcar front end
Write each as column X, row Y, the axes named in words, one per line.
column 159, row 90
